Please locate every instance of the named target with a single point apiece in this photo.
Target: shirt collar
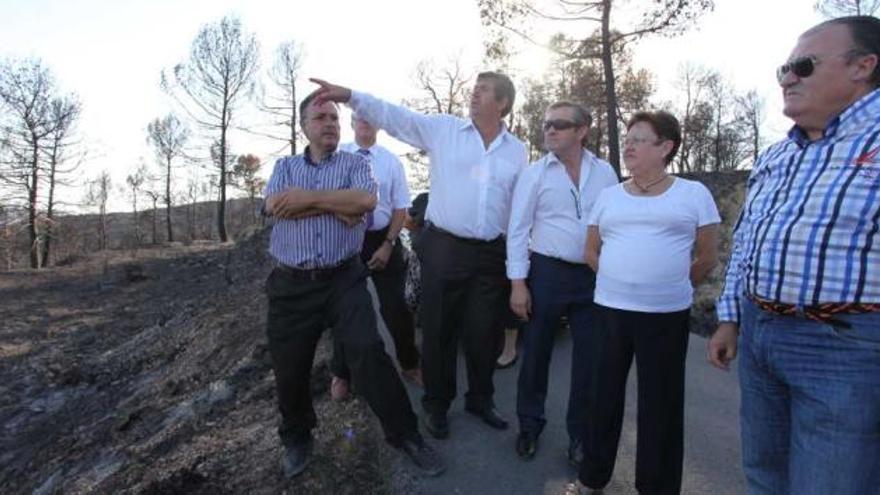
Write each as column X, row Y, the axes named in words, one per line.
column 354, row 146
column 586, row 158
column 865, row 107
column 308, row 157
column 469, row 124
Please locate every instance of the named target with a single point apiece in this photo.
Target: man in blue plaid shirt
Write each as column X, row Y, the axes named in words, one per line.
column 801, row 296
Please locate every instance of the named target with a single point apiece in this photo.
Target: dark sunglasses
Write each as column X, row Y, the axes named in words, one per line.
column 559, row 124
column 801, row 67
column 804, row 66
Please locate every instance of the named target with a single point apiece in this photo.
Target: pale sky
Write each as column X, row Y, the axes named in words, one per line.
column 111, row 53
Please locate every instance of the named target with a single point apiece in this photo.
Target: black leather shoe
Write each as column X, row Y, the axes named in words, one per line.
column 296, row 458
column 526, row 446
column 575, row 453
column 489, row 416
column 436, row 424
column 423, row 456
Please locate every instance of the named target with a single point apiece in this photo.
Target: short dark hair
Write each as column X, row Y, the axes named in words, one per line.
column 304, row 105
column 503, row 87
column 664, row 125
column 865, row 33
column 581, row 114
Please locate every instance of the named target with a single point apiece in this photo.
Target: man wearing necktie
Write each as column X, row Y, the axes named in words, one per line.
column 383, row 255
column 474, row 166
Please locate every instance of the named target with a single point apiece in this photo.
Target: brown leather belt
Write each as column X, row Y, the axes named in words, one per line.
column 823, row 313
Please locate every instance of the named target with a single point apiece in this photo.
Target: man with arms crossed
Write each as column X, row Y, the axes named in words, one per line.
column 319, row 200
column 548, row 275
column 474, row 166
column 802, row 289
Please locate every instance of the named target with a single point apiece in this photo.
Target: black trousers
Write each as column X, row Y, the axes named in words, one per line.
column 300, row 308
column 659, row 343
column 389, row 283
column 464, row 293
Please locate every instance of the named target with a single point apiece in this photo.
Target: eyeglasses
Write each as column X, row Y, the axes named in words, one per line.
column 560, row 124
column 640, row 140
column 803, row 67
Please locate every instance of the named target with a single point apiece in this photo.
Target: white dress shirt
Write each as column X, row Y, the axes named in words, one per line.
column 471, row 186
column 550, row 213
column 389, row 173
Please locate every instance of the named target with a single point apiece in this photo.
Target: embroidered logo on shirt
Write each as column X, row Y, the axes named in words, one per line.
column 865, row 161
column 868, row 158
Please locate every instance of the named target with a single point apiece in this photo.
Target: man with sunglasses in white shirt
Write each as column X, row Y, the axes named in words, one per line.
column 474, row 166
column 548, row 274
column 801, row 298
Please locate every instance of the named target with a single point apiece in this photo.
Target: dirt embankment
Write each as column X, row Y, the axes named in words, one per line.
column 152, row 376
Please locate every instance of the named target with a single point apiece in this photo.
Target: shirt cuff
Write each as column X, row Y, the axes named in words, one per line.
column 727, row 309
column 356, row 99
column 517, row 270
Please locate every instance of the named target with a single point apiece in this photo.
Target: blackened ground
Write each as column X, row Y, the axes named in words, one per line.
column 148, row 373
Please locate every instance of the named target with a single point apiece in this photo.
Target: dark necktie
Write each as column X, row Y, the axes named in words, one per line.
column 369, row 216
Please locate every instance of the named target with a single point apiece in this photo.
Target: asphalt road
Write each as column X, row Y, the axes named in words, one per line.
column 483, row 461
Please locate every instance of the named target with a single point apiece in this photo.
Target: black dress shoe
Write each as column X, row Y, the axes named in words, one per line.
column 526, row 446
column 575, row 453
column 489, row 416
column 436, row 424
column 296, row 458
column 423, row 456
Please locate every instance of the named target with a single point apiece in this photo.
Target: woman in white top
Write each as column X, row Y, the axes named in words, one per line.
column 650, row 240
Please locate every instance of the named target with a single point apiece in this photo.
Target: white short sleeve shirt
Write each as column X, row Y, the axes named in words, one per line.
column 647, row 243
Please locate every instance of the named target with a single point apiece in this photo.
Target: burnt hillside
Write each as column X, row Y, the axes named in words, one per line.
column 152, row 376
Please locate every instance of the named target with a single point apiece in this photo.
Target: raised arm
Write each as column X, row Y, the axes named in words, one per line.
column 416, row 129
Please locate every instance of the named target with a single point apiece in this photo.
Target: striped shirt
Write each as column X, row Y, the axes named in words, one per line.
column 320, row 241
column 808, row 230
